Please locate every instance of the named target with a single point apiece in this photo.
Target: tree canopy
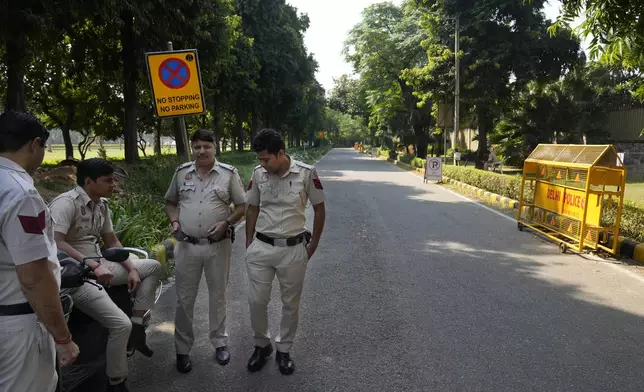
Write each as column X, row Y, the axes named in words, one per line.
column 520, row 85
column 80, row 66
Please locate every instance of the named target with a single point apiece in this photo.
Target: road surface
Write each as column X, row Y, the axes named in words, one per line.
column 414, row 288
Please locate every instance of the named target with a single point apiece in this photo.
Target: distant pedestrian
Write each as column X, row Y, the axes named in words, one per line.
column 278, row 243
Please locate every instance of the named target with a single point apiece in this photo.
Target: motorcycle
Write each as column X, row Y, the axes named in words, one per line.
column 88, row 371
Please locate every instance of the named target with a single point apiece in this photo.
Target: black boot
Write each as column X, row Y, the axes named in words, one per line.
column 138, row 339
column 184, row 365
column 259, row 358
column 121, row 387
column 222, row 356
column 287, row 367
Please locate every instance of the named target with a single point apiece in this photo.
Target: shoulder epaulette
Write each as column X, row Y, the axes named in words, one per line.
column 227, row 166
column 184, row 165
column 304, row 165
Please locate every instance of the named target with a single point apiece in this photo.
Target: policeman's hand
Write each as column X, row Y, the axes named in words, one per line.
column 310, row 249
column 103, row 275
column 133, row 280
column 67, row 353
column 219, row 230
column 175, row 226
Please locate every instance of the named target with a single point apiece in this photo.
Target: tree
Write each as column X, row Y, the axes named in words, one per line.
column 616, row 30
column 504, row 46
column 380, row 48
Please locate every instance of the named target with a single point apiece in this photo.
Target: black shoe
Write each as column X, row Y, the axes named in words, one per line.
column 287, row 367
column 222, row 356
column 118, row 387
column 259, row 357
column 184, row 365
column 138, row 340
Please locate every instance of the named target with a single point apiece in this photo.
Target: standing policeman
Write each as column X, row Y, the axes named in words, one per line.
column 32, row 323
column 198, row 206
column 277, row 196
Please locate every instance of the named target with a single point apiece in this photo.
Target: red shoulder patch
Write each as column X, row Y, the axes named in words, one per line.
column 33, row 224
column 250, row 185
column 317, row 183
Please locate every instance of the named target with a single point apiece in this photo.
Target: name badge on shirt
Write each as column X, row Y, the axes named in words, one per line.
column 189, row 183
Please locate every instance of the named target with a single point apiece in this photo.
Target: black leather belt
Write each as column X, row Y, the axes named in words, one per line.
column 181, row 236
column 298, row 239
column 16, row 309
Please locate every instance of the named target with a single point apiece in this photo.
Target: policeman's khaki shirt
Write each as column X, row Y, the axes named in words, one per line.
column 282, row 200
column 204, row 201
column 81, row 220
column 26, row 230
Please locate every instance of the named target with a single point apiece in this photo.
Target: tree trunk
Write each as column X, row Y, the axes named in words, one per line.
column 485, row 127
column 255, row 125
column 157, row 139
column 218, row 128
column 15, row 58
column 130, row 76
column 421, row 141
column 239, row 127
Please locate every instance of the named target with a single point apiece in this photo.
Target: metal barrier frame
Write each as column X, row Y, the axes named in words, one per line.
column 598, row 237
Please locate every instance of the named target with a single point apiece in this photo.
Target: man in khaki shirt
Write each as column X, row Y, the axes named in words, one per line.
column 275, row 242
column 82, row 219
column 198, row 206
column 32, row 323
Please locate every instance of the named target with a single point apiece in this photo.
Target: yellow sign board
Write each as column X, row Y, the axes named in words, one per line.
column 567, row 202
column 176, row 83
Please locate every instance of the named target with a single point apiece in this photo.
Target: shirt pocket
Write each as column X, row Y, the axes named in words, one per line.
column 220, row 194
column 265, row 188
column 186, row 192
column 295, row 192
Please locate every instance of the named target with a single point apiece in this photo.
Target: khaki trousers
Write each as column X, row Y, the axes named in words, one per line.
column 190, row 261
column 150, row 272
column 27, row 363
column 99, row 306
column 264, row 262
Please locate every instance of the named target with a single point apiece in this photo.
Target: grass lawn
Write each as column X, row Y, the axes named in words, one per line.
column 58, row 153
column 635, row 192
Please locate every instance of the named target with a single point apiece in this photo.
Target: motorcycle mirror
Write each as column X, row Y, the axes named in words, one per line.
column 117, row 255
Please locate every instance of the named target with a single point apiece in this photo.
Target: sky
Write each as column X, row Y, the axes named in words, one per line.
column 331, row 21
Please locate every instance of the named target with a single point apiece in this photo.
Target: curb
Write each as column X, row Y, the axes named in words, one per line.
column 499, row 200
column 626, row 247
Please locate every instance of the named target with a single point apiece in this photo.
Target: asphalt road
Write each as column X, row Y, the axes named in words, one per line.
column 414, row 288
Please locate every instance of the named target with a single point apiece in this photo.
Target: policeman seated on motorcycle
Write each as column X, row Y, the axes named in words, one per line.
column 82, row 220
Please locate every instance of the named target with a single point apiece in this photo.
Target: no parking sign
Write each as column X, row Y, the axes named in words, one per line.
column 434, row 169
column 176, row 83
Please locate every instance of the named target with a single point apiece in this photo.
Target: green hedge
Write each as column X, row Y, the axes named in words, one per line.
column 632, row 225
column 508, row 186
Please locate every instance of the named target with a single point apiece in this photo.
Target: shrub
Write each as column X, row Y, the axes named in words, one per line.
column 418, row 162
column 406, row 158
column 139, row 220
column 508, row 186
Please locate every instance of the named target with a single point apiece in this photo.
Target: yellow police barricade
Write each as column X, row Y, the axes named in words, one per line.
column 573, row 194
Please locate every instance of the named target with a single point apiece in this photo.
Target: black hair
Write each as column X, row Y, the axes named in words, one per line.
column 18, row 129
column 268, row 140
column 203, row 135
column 93, row 168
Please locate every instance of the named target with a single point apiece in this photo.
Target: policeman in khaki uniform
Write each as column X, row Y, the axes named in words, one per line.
column 198, row 206
column 278, row 243
column 83, row 219
column 32, row 323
